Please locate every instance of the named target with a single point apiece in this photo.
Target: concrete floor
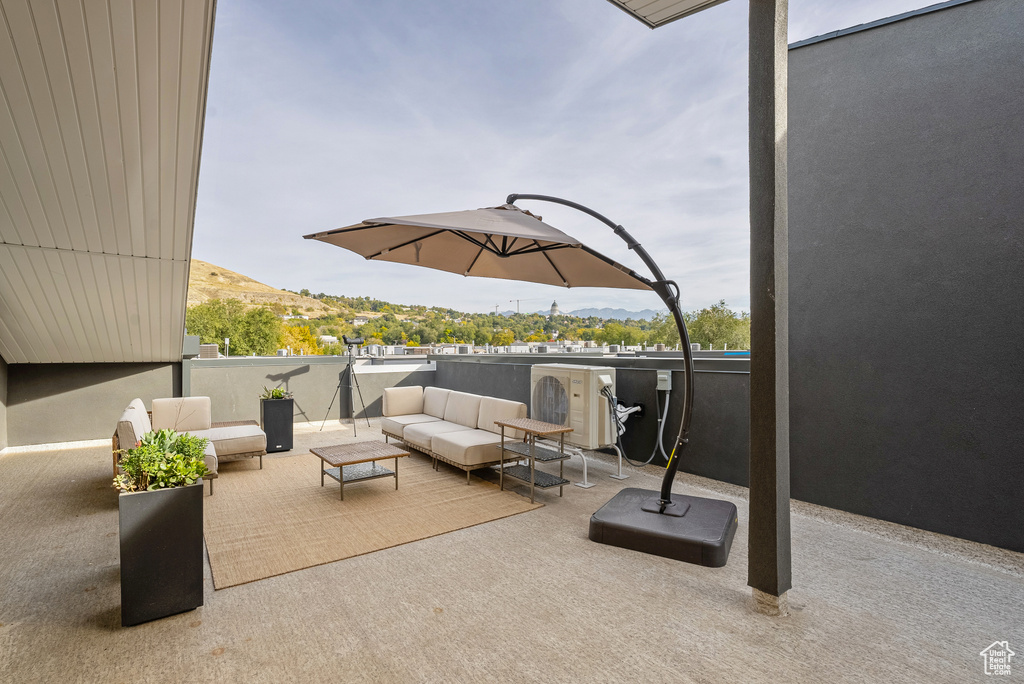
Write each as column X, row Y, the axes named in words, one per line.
column 523, row 599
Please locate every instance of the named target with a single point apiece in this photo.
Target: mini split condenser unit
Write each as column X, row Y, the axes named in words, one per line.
column 570, row 395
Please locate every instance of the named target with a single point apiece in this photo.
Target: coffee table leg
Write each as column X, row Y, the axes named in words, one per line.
column 321, row 472
column 341, row 480
column 396, row 473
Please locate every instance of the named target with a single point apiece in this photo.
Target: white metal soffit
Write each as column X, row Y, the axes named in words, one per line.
column 101, row 120
column 655, row 13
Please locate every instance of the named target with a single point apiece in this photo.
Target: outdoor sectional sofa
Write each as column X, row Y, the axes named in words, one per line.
column 455, row 427
column 229, row 441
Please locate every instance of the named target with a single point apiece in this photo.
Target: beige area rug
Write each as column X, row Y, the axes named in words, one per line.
column 261, row 523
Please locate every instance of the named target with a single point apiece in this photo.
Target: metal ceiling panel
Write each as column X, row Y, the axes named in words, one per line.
column 655, row 13
column 101, row 119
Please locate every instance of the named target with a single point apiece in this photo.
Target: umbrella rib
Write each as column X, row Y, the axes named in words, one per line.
column 405, row 244
column 628, row 271
column 560, row 276
column 474, row 261
column 534, row 250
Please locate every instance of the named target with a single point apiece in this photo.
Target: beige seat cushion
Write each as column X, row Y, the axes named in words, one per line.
column 396, row 424
column 182, row 414
column 420, row 434
column 403, row 401
column 467, row 447
column 133, row 423
column 434, row 401
column 463, row 409
column 210, row 458
column 237, row 439
column 492, row 409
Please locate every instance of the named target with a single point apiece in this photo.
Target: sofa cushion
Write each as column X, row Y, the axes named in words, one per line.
column 210, row 458
column 133, row 423
column 182, row 414
column 420, row 434
column 396, row 424
column 434, row 401
column 467, row 447
column 492, row 409
column 463, row 409
column 236, row 439
column 403, row 401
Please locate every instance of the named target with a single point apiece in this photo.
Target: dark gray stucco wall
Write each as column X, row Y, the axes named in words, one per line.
column 719, row 432
column 67, row 402
column 234, row 385
column 3, row 403
column 906, row 263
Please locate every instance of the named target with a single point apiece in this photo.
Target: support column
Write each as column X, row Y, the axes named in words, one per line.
column 769, row 570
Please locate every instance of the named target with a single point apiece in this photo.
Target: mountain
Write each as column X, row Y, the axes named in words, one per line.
column 207, row 281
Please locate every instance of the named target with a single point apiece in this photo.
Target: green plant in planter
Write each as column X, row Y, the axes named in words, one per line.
column 275, row 393
column 161, row 460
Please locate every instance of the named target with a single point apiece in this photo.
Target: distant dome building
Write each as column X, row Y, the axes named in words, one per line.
column 554, row 308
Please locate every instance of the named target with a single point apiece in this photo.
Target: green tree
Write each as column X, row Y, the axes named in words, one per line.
column 257, row 331
column 718, row 326
column 503, row 338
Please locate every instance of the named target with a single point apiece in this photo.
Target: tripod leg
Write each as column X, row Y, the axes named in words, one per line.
column 361, row 402
column 329, row 407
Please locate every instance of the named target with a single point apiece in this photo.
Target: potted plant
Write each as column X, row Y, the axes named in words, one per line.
column 161, row 525
column 276, row 411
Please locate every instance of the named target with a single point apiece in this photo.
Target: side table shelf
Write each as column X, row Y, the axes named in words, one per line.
column 533, row 453
column 541, row 480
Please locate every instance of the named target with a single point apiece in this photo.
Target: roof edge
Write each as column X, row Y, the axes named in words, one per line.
column 879, row 22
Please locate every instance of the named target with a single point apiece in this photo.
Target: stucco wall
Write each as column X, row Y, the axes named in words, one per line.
column 719, row 441
column 3, row 403
column 906, row 259
column 68, row 402
column 234, row 385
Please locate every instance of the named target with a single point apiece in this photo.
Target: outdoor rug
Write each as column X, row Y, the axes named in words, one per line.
column 261, row 523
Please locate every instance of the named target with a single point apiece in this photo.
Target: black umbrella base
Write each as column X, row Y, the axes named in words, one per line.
column 702, row 534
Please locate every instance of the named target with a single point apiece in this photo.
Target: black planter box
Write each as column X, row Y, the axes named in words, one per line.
column 161, row 552
column 276, row 421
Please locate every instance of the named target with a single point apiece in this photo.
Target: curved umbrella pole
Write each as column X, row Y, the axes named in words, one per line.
column 668, row 290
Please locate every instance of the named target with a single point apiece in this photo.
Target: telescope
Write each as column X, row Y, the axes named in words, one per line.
column 351, row 340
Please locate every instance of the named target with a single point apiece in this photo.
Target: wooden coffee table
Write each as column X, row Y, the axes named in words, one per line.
column 357, row 462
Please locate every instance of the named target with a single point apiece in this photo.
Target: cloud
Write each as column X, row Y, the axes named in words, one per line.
column 322, row 114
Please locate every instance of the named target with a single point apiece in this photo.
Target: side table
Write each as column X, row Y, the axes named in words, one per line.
column 533, row 453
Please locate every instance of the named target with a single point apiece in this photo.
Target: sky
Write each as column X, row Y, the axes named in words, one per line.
column 324, row 113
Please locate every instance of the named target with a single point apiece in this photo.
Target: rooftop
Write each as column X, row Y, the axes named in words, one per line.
column 525, row 598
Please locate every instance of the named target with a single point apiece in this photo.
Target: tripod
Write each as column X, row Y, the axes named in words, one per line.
column 350, row 376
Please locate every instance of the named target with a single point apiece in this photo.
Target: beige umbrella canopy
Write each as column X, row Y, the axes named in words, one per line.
column 501, row 242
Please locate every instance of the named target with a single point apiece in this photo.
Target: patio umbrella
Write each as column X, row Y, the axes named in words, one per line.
column 510, row 243
column 499, row 242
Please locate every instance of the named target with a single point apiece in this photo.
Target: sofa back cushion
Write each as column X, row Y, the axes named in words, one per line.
column 492, row 409
column 133, row 423
column 403, row 401
column 182, row 414
column 463, row 408
column 435, row 400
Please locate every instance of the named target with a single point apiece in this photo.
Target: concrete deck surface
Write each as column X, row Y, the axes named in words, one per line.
column 523, row 599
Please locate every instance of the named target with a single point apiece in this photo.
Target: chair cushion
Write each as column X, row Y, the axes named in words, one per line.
column 467, row 447
column 236, row 439
column 434, row 401
column 420, row 434
column 492, row 409
column 396, row 424
column 182, row 414
column 210, row 458
column 402, row 401
column 133, row 423
column 463, row 409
